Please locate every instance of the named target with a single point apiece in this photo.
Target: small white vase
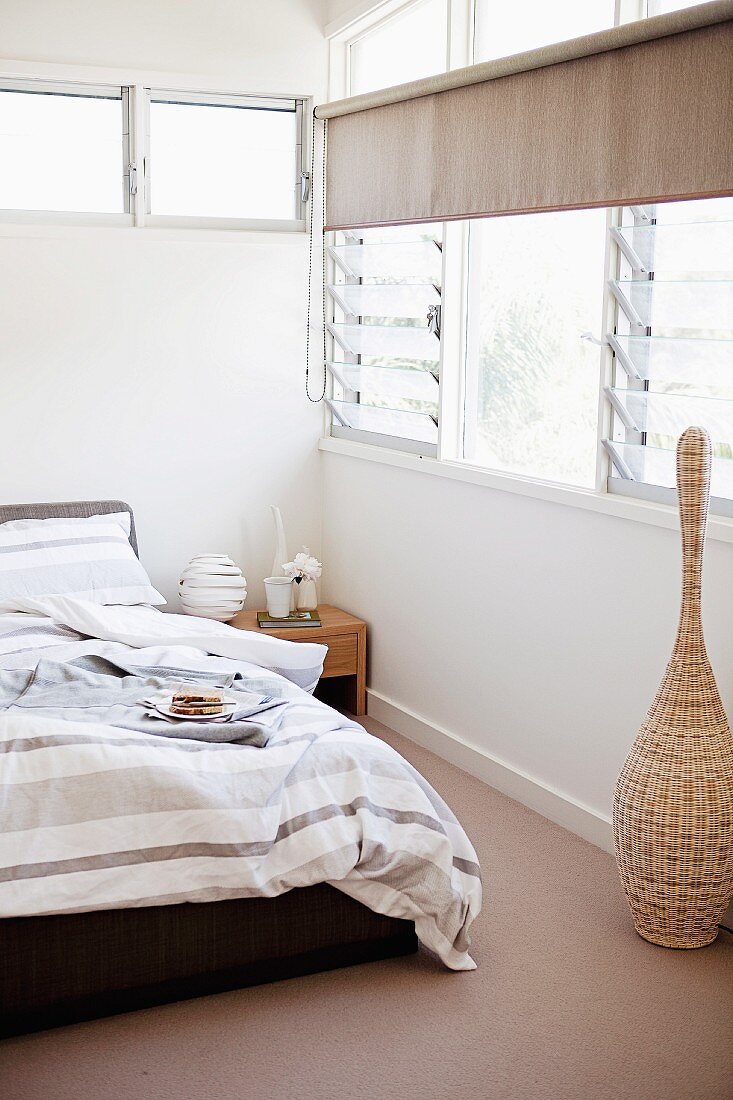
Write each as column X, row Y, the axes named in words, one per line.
column 281, row 550
column 307, row 598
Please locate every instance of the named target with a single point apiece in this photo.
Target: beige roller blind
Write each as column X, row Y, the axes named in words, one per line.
column 641, row 113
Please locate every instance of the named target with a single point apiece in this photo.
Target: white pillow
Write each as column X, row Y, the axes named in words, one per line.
column 87, row 559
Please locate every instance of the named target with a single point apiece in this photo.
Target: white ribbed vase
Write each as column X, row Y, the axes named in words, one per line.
column 213, row 587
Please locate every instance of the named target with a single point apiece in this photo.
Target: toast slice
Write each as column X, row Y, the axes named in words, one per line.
column 197, row 708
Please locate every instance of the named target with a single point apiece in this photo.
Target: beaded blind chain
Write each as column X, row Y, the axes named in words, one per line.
column 316, row 400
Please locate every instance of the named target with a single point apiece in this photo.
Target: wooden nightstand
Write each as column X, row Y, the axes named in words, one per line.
column 345, row 637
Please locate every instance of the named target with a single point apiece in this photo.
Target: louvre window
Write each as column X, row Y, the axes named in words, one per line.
column 386, row 305
column 672, row 342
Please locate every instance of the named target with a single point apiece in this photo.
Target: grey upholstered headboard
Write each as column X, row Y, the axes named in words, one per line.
column 69, row 509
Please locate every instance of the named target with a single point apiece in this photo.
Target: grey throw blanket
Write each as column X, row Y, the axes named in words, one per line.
column 94, row 689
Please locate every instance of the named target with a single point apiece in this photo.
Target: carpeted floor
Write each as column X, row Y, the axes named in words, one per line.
column 567, row 1004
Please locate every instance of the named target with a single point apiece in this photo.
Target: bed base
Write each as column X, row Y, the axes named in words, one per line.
column 57, row 970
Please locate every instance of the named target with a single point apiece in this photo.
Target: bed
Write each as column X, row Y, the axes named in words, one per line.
column 382, row 859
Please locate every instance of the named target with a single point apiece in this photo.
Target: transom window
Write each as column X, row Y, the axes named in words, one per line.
column 535, row 23
column 229, row 158
column 72, row 148
column 406, row 46
column 63, row 148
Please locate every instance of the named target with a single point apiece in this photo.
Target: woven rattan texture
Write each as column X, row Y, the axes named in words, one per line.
column 673, row 803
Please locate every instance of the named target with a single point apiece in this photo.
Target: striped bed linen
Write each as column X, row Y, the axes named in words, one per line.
column 94, row 816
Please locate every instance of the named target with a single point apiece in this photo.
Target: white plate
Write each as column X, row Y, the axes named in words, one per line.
column 165, row 709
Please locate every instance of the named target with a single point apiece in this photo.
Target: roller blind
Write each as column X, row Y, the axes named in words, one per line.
column 638, row 114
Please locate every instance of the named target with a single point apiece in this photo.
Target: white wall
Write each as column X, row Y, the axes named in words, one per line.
column 342, row 12
column 276, row 45
column 536, row 632
column 163, row 367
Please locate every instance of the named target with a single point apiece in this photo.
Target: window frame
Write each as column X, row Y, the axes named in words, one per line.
column 632, row 500
column 217, row 99
column 80, row 89
column 136, row 90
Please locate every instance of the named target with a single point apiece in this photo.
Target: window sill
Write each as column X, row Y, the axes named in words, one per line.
column 261, row 225
column 658, row 515
column 53, row 223
column 75, row 218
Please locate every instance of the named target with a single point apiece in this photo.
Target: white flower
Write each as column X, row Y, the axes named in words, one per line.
column 303, row 566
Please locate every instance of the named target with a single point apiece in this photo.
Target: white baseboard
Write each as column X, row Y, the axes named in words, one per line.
column 551, row 803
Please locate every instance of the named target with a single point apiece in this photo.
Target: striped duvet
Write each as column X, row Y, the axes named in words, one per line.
column 93, row 816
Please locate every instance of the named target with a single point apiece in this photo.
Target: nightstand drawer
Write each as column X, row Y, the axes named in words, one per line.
column 341, row 656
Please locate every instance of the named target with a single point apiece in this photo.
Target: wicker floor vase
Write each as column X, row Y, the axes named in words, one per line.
column 673, row 803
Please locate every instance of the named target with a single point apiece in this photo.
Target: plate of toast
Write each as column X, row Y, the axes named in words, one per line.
column 197, row 704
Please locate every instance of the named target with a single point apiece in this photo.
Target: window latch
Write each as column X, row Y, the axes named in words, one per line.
column 132, row 176
column 434, row 319
column 305, row 186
